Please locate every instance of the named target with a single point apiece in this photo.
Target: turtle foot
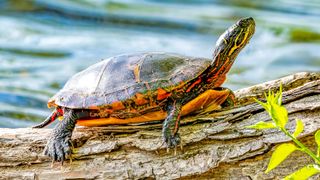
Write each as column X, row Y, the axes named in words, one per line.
column 172, row 141
column 58, row 148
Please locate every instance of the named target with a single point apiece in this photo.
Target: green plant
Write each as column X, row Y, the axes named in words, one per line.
column 279, row 116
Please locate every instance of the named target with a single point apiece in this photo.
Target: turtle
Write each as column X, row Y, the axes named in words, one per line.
column 144, row 87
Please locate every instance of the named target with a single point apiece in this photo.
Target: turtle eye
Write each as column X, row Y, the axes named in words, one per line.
column 245, row 22
column 242, row 23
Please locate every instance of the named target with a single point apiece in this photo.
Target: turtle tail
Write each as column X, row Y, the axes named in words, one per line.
column 53, row 116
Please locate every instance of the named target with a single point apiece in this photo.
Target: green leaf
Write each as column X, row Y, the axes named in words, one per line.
column 270, row 98
column 279, row 114
column 299, row 128
column 264, row 105
column 304, row 173
column 280, row 154
column 317, row 138
column 263, row 125
column 278, row 97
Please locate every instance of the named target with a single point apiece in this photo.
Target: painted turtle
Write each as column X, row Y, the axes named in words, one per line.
column 143, row 87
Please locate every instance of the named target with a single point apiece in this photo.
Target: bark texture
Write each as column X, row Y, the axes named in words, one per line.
column 216, row 145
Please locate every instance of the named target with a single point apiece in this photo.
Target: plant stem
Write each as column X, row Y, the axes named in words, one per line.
column 303, row 147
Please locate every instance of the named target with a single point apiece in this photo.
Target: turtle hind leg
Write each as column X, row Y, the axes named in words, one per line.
column 210, row 100
column 230, row 100
column 59, row 145
column 171, row 125
column 221, row 98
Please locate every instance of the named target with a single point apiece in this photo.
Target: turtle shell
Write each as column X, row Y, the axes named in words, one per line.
column 122, row 77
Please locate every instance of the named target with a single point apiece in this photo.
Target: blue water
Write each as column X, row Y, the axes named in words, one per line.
column 44, row 42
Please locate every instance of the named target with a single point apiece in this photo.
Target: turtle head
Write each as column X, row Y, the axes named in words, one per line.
column 230, row 43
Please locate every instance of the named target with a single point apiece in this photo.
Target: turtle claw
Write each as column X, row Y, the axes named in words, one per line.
column 58, row 149
column 52, row 163
column 172, row 142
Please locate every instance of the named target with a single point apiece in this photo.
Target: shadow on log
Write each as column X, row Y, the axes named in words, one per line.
column 215, row 145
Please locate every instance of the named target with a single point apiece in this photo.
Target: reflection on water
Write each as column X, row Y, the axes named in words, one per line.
column 44, row 42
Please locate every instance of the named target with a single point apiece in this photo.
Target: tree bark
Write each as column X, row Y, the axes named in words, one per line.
column 216, row 145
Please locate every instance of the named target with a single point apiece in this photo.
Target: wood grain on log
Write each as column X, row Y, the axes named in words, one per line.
column 215, row 145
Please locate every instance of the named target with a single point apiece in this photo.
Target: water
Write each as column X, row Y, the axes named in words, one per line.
column 44, row 42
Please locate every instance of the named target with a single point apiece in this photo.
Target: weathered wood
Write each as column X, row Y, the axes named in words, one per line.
column 215, row 145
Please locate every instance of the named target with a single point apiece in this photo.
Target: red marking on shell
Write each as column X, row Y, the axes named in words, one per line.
column 94, row 107
column 140, row 99
column 162, row 94
column 194, row 84
column 117, row 105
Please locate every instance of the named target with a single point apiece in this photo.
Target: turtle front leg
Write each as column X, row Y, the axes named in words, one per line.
column 59, row 144
column 171, row 125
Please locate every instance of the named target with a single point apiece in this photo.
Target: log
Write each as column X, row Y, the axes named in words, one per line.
column 216, row 144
